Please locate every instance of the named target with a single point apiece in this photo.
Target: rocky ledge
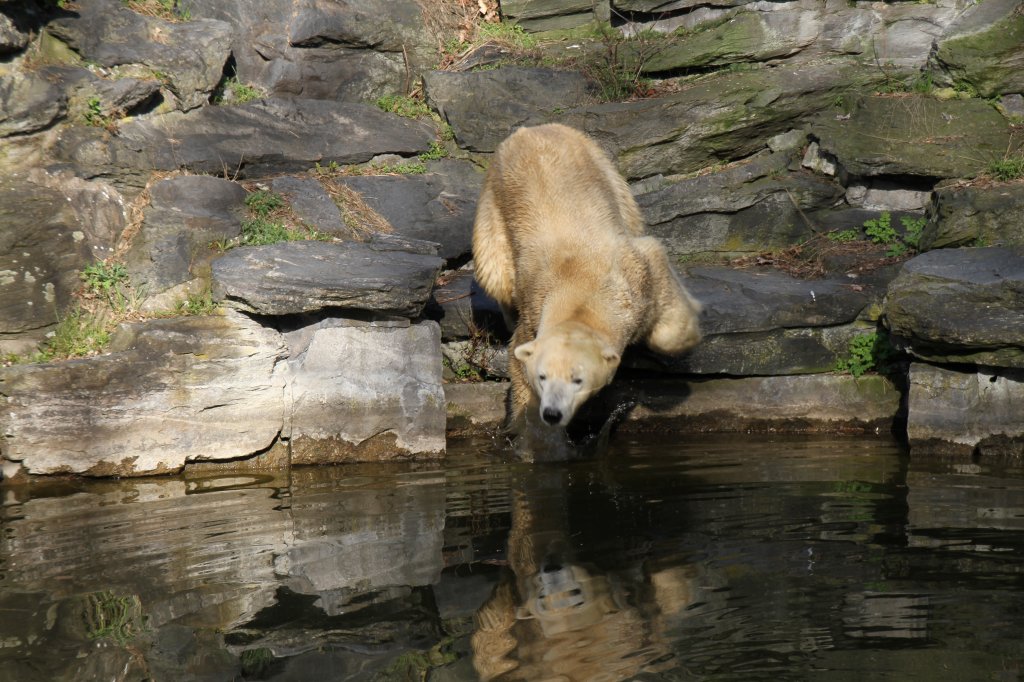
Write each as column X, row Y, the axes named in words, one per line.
column 269, row 215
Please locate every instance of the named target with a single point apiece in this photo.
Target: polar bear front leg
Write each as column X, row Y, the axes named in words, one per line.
column 520, row 394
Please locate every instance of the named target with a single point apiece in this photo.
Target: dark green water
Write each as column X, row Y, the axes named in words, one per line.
column 670, row 558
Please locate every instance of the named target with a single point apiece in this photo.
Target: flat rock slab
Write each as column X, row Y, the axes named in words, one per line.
column 990, row 214
column 957, row 412
column 263, row 137
column 302, row 277
column 171, row 391
column 961, row 305
column 914, row 135
column 363, row 392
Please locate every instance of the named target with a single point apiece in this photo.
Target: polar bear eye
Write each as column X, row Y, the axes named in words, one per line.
column 543, row 377
column 577, row 381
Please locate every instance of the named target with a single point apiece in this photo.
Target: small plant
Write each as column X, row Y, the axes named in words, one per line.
column 403, row 105
column 262, row 203
column 867, row 352
column 197, row 304
column 108, row 616
column 234, row 91
column 843, row 236
column 880, row 229
column 912, row 229
column 94, row 112
column 78, row 334
column 1007, row 169
column 505, row 33
column 170, row 10
column 107, row 281
column 437, row 151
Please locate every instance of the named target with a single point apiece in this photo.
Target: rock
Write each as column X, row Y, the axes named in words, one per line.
column 961, row 306
column 186, row 215
column 366, row 392
column 352, row 51
column 966, row 413
column 984, row 48
column 50, row 228
column 475, row 407
column 438, row 206
column 28, row 104
column 816, row 403
column 551, row 15
column 726, row 116
column 264, row 137
column 916, row 135
column 748, row 36
column 170, row 391
column 191, row 54
column 483, row 107
column 311, row 204
column 475, row 359
column 298, row 277
column 975, row 215
column 12, row 37
column 464, row 310
column 750, row 207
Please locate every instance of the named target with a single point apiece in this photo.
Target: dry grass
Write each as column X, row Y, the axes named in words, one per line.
column 359, row 216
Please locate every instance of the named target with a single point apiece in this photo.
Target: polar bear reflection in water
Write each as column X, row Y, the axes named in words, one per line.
column 552, row 618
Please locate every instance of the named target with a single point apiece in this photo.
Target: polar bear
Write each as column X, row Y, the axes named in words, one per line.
column 558, row 241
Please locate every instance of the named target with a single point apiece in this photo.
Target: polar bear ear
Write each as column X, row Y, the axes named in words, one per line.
column 610, row 355
column 525, row 351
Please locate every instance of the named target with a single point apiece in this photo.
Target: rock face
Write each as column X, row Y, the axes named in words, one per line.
column 986, row 215
column 985, row 47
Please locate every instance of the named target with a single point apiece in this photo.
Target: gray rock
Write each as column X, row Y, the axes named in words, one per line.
column 12, row 38
column 50, row 228
column 965, row 413
column 264, row 137
column 727, row 116
column 28, row 104
column 975, row 215
column 353, row 51
column 961, row 305
column 191, row 54
column 550, row 15
column 984, row 47
column 483, row 107
column 816, row 403
column 366, row 392
column 438, row 206
column 298, row 277
column 464, row 310
column 311, row 203
column 750, row 207
column 919, row 136
column 475, row 408
column 170, row 391
column 185, row 216
column 743, row 301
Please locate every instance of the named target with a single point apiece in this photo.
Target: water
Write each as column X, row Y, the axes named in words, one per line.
column 670, row 558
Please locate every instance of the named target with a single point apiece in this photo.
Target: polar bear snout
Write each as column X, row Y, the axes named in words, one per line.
column 552, row 415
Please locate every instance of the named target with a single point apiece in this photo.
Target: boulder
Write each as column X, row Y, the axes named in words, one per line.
column 365, row 392
column 306, row 276
column 29, row 103
column 984, row 48
column 185, row 216
column 191, row 55
column 463, row 309
column 51, row 227
column 551, row 15
column 260, row 138
column 169, row 391
column 913, row 135
column 963, row 412
column 483, row 107
column 751, row 207
column 989, row 214
column 349, row 50
column 961, row 306
column 13, row 36
column 438, row 206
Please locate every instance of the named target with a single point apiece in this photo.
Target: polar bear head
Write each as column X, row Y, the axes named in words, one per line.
column 565, row 367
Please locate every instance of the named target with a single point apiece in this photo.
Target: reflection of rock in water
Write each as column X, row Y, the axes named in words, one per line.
column 551, row 617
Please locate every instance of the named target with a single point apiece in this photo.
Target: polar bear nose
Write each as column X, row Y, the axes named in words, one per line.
column 552, row 415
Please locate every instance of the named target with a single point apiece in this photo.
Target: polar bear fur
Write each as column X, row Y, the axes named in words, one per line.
column 558, row 242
